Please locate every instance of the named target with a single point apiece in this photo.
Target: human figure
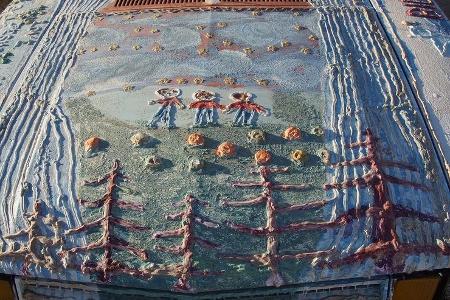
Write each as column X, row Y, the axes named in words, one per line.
column 247, row 111
column 168, row 101
column 206, row 104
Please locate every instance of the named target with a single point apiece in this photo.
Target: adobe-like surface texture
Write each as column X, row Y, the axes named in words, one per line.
column 193, row 151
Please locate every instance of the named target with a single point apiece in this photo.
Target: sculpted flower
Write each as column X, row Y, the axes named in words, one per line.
column 140, row 139
column 222, row 25
column 202, row 51
column 157, row 47
column 256, row 136
column 196, row 164
column 113, row 47
column 306, row 50
column 92, row 144
column 312, row 37
column 226, row 149
column 262, row 82
column 227, row 42
column 285, row 43
column 298, row 156
column 128, row 88
column 181, row 80
column 196, row 139
column 262, row 157
column 299, row 27
column 198, row 80
column 317, row 131
column 272, row 48
column 229, row 80
column 292, row 133
column 324, row 155
column 248, row 50
column 164, row 81
column 153, row 162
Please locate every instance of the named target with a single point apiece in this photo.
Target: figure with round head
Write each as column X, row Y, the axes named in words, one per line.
column 247, row 111
column 205, row 104
column 168, row 101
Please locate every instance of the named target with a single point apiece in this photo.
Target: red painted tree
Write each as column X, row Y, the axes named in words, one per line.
column 39, row 249
column 107, row 223
column 385, row 243
column 189, row 218
column 272, row 257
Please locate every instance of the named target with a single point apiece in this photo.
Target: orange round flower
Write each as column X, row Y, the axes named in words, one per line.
column 196, row 139
column 262, row 157
column 226, row 149
column 92, row 144
column 292, row 133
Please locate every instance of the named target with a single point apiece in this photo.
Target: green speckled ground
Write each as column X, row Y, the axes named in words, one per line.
column 158, row 190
